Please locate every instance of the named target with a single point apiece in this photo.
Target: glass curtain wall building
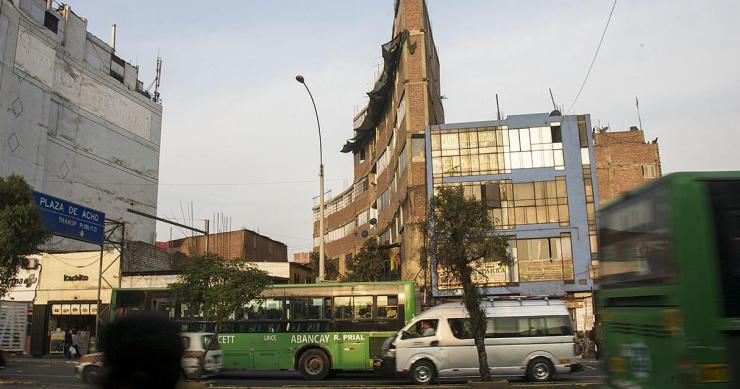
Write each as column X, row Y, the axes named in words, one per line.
column 534, row 174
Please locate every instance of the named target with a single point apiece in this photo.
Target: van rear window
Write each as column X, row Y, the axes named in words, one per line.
column 514, row 327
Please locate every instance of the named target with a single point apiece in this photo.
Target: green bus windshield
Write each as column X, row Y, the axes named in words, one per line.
column 724, row 197
column 636, row 241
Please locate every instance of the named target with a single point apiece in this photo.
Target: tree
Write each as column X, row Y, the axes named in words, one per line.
column 370, row 264
column 219, row 286
column 459, row 235
column 21, row 231
column 331, row 267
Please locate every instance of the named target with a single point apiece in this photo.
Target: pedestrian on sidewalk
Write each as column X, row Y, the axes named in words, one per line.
column 595, row 336
column 75, row 343
column 67, row 343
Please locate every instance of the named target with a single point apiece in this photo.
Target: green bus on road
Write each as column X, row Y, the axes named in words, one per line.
column 670, row 283
column 313, row 328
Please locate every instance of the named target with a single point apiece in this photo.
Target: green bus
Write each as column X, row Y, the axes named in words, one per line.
column 670, row 283
column 313, row 328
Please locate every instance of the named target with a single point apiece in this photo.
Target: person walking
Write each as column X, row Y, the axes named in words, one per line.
column 75, row 343
column 67, row 343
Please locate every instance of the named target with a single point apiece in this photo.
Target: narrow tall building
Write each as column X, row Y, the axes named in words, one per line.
column 624, row 161
column 75, row 121
column 388, row 196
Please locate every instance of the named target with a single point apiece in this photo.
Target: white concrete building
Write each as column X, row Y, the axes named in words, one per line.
column 74, row 119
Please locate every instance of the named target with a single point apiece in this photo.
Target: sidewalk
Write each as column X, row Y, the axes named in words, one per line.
column 49, row 359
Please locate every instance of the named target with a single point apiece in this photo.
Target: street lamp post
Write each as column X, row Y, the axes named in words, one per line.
column 300, row 79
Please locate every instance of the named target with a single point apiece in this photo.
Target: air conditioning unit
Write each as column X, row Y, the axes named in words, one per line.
column 31, row 263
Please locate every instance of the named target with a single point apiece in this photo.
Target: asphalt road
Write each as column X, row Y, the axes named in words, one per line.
column 24, row 373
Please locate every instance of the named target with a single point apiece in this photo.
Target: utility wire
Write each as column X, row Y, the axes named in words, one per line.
column 193, row 183
column 593, row 61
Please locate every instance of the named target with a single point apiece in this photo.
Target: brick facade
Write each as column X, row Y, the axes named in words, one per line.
column 235, row 244
column 624, row 161
column 416, row 83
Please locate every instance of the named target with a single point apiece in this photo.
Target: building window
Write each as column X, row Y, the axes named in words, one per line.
column 417, row 148
column 401, row 111
column 495, row 150
column 511, row 204
column 53, row 125
column 649, row 171
column 382, row 163
column 582, row 131
column 556, row 133
column 51, row 22
column 117, row 67
column 544, row 259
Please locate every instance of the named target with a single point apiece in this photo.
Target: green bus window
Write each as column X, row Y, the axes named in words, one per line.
column 363, row 307
column 273, row 309
column 251, row 310
column 342, row 308
column 297, row 308
column 387, row 307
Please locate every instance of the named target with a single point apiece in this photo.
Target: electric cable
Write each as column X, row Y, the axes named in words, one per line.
column 593, row 61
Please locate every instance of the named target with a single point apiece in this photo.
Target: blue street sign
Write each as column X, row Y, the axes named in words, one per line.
column 70, row 220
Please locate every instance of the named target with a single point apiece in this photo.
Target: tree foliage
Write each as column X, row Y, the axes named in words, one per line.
column 331, row 267
column 21, row 231
column 219, row 286
column 459, row 235
column 370, row 264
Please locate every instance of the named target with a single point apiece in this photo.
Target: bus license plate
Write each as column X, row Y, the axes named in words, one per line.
column 714, row 373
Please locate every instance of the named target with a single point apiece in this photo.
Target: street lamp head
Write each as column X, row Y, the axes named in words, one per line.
column 300, row 79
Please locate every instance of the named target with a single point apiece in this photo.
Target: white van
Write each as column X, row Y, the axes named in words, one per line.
column 527, row 338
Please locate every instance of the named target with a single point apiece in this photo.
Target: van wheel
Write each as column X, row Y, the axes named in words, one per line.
column 540, row 370
column 423, row 372
column 314, row 365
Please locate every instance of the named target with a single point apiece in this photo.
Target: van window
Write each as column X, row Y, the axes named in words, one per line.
column 421, row 329
column 558, row 325
column 508, row 327
column 460, row 328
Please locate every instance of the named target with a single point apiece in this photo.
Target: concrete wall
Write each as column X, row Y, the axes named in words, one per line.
column 69, row 127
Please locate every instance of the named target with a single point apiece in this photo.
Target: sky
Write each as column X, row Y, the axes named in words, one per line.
column 239, row 134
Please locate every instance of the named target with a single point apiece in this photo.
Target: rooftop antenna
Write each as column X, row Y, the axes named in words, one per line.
column 639, row 119
column 554, row 107
column 498, row 109
column 157, row 78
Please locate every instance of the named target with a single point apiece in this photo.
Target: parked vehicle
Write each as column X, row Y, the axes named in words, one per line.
column 202, row 357
column 527, row 338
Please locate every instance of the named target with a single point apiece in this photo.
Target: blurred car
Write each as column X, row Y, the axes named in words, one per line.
column 202, row 357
